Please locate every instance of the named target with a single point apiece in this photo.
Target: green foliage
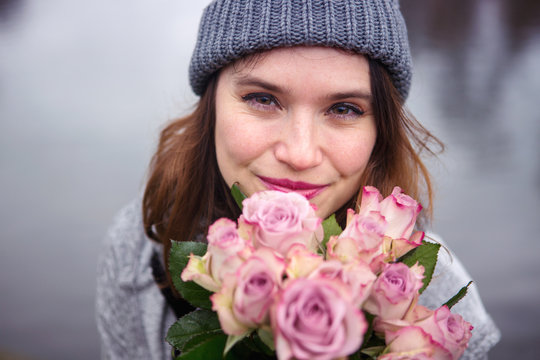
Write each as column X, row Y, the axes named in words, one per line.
column 374, row 351
column 197, row 335
column 210, row 348
column 233, row 340
column 331, row 228
column 250, row 347
column 372, row 345
column 267, row 339
column 238, row 195
column 426, row 255
column 178, row 259
column 460, row 294
column 368, row 336
column 356, row 356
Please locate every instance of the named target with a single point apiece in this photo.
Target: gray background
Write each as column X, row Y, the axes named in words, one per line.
column 85, row 87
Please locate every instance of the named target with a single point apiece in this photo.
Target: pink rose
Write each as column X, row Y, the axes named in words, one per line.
column 344, row 250
column 226, row 252
column 446, row 331
column 357, row 276
column 412, row 343
column 449, row 330
column 347, row 250
column 279, row 220
column 196, row 270
column 395, row 291
column 225, row 248
column 366, row 229
column 245, row 297
column 314, row 319
column 421, row 355
column 301, row 262
column 258, row 280
column 414, row 314
column 371, row 199
column 362, row 239
column 396, row 248
column 399, row 210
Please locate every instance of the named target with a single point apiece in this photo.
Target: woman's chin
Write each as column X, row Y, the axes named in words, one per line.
column 322, row 211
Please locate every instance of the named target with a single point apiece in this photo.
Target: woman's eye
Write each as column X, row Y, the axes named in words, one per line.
column 261, row 100
column 345, row 110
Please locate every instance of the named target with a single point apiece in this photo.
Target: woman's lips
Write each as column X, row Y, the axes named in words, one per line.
column 308, row 190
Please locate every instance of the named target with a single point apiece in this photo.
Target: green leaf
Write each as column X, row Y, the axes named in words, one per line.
column 369, row 331
column 267, row 338
column 194, row 328
column 232, row 340
column 371, row 340
column 237, row 195
column 251, row 347
column 330, row 227
column 426, row 255
column 208, row 348
column 178, row 259
column 244, row 350
column 460, row 294
column 356, row 356
column 374, row 351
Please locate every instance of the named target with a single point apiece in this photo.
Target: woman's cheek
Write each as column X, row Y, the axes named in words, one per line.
column 242, row 147
column 244, row 139
column 350, row 154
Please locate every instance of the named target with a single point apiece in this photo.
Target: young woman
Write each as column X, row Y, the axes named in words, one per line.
column 303, row 96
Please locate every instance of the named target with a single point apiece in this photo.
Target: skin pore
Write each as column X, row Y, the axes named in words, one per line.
column 300, row 119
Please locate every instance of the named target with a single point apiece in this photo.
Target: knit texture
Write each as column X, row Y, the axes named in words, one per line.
column 232, row 29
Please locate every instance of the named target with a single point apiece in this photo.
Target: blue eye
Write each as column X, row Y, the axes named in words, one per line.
column 261, row 100
column 345, row 110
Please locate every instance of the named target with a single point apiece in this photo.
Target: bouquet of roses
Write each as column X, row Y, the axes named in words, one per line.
column 283, row 283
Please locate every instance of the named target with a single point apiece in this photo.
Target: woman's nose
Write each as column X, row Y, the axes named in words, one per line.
column 299, row 145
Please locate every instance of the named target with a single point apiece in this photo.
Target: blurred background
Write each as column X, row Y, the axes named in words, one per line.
column 85, row 87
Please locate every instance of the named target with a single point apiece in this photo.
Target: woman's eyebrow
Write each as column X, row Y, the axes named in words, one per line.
column 366, row 95
column 250, row 80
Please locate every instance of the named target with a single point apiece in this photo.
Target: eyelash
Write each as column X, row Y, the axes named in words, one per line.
column 356, row 111
column 253, row 100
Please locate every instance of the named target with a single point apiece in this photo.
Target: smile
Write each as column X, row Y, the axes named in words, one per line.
column 309, row 191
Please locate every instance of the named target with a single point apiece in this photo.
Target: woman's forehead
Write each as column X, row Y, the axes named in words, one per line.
column 313, row 53
column 318, row 66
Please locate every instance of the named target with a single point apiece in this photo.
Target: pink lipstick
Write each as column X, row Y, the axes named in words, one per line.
column 308, row 190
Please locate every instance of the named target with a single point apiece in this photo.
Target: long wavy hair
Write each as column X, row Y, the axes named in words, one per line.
column 185, row 191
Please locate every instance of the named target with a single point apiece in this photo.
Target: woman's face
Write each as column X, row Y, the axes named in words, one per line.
column 300, row 119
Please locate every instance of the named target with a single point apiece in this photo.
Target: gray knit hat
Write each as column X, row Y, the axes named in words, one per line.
column 231, row 29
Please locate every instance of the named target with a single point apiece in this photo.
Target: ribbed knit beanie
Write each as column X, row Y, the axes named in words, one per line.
column 232, row 29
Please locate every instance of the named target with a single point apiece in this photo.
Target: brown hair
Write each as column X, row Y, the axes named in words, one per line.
column 401, row 139
column 185, row 192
